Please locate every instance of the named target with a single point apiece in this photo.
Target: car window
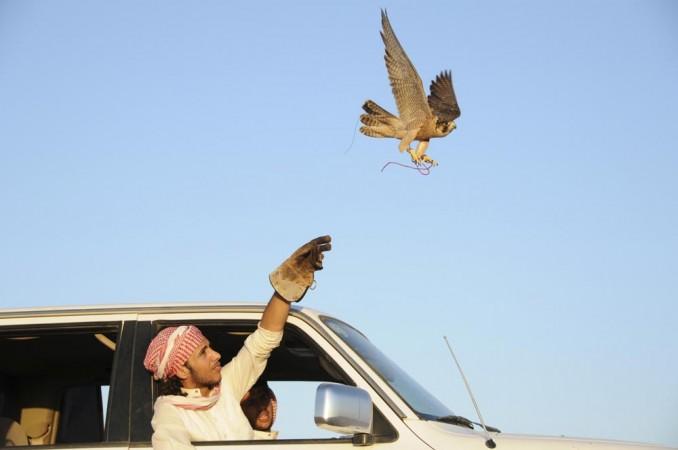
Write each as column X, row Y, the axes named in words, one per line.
column 105, row 389
column 295, row 400
column 293, row 372
column 51, row 382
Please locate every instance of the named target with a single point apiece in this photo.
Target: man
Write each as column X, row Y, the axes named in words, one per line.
column 200, row 400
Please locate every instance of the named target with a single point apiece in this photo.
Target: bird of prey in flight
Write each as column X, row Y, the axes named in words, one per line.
column 421, row 117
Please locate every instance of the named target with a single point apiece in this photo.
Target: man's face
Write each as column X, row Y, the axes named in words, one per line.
column 203, row 368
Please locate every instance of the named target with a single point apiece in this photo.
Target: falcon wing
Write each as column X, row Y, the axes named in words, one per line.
column 442, row 101
column 406, row 85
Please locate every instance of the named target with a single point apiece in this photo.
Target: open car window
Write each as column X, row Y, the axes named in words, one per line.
column 54, row 383
column 293, row 372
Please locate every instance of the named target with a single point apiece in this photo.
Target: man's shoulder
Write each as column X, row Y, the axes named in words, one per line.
column 165, row 406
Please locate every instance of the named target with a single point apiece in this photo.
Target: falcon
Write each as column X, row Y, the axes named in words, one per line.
column 421, row 117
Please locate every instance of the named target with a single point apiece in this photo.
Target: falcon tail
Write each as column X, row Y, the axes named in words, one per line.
column 378, row 122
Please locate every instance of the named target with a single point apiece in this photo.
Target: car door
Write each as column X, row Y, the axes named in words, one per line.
column 304, row 359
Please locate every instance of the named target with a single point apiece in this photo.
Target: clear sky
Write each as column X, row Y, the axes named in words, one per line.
column 166, row 150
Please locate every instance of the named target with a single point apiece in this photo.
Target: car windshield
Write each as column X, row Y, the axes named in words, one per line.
column 419, row 399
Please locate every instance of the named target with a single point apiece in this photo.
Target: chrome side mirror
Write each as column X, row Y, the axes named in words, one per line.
column 343, row 409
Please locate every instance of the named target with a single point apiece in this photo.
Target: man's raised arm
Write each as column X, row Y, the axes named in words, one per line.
column 292, row 279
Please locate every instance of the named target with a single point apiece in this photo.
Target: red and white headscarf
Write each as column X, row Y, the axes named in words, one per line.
column 170, row 349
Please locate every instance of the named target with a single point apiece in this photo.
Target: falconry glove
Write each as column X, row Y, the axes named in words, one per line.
column 294, row 276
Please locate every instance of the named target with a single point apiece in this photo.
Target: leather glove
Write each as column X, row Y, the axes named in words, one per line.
column 294, row 276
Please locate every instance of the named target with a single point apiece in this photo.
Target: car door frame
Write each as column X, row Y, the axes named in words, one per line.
column 404, row 439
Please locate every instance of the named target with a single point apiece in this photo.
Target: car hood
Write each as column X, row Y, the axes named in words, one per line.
column 440, row 436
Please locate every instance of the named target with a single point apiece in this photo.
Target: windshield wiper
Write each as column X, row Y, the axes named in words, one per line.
column 456, row 420
column 463, row 421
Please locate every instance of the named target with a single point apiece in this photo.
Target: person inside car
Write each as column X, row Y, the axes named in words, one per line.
column 199, row 399
column 260, row 407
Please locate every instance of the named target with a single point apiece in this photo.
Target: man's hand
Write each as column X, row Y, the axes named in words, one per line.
column 294, row 276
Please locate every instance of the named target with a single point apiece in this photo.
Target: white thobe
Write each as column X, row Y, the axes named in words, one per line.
column 175, row 427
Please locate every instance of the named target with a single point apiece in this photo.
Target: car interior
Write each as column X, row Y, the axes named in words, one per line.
column 51, row 384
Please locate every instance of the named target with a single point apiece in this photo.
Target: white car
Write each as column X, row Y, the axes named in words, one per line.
column 74, row 378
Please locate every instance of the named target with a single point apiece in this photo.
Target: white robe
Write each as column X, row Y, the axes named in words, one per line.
column 176, row 428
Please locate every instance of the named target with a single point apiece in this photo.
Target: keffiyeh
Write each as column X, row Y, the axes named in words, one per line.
column 170, row 349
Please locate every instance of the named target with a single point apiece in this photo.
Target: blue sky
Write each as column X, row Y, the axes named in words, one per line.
column 162, row 151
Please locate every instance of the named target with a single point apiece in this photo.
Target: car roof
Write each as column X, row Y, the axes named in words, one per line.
column 137, row 308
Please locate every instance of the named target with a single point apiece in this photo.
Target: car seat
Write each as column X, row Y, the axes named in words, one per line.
column 11, row 433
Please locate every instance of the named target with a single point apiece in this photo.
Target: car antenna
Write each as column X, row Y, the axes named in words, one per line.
column 489, row 443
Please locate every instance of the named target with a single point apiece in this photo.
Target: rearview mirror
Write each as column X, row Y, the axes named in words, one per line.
column 343, row 409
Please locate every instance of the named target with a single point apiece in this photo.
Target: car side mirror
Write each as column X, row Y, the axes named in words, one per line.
column 343, row 409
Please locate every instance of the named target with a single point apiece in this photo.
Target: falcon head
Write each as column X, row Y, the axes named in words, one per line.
column 444, row 127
